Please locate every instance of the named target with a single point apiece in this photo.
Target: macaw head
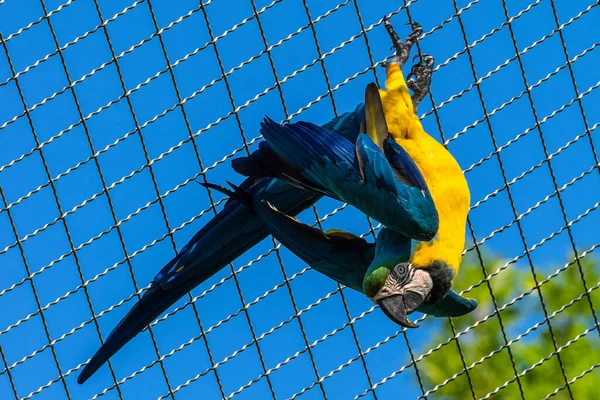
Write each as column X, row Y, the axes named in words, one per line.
column 398, row 286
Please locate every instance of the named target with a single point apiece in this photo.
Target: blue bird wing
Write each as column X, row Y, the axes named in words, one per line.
column 359, row 174
column 264, row 162
column 327, row 160
column 303, row 145
column 403, row 165
column 339, row 255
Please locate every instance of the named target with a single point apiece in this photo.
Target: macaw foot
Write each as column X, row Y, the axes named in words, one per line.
column 402, row 48
column 419, row 79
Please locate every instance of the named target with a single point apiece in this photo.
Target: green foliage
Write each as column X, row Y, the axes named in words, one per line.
column 487, row 337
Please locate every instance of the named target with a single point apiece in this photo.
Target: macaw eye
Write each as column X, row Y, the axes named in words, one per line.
column 403, row 272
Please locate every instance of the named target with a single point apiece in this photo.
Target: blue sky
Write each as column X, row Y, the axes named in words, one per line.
column 133, row 186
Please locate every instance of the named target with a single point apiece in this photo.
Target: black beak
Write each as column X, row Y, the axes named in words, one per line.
column 398, row 306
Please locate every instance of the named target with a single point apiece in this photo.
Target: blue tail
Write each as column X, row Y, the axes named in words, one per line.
column 228, row 235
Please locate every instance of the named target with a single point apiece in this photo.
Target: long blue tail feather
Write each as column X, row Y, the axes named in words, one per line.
column 217, row 244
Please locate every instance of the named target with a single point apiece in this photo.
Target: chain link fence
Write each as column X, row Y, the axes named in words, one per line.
column 110, row 112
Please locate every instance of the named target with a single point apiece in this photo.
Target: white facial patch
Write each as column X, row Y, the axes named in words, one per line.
column 405, row 277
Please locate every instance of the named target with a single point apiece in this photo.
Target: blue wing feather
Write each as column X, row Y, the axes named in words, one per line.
column 341, row 256
column 302, row 143
column 359, row 174
column 405, row 168
column 374, row 166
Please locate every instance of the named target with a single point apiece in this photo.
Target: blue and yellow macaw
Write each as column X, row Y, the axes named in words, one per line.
column 395, row 173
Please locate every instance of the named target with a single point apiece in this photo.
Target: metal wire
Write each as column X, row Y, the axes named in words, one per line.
column 186, row 181
column 508, row 344
column 10, row 378
column 481, row 263
column 513, row 207
column 299, row 316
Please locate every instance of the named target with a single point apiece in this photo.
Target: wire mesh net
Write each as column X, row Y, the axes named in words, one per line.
column 111, row 110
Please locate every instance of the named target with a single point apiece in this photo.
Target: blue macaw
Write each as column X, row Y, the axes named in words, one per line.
column 408, row 180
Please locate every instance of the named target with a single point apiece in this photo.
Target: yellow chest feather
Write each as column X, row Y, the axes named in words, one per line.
column 443, row 175
column 450, row 193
